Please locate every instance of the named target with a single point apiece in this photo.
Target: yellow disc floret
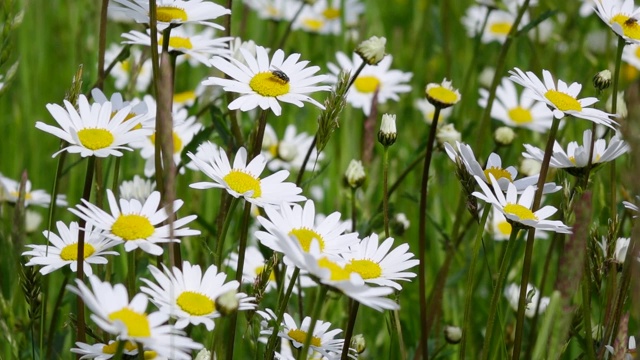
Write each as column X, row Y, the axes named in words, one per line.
column 137, row 323
column 267, row 84
column 520, row 115
column 195, row 303
column 301, row 335
column 366, row 84
column 368, row 269
column 132, row 227
column 305, row 236
column 498, row 173
column 70, row 252
column 170, row 13
column 562, row 101
column 95, row 139
column 241, row 182
column 520, row 211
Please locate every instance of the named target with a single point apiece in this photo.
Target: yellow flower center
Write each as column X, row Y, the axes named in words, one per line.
column 338, row 273
column 195, row 304
column 366, row 84
column 132, row 227
column 178, row 42
column 271, row 10
column 170, row 13
column 504, row 228
column 564, row 102
column 520, row 115
column 137, row 323
column 27, row 196
column 126, row 65
column 305, row 236
column 500, row 28
column 267, row 84
column 95, row 139
column 630, row 27
column 300, row 336
column 498, row 173
column 184, row 97
column 313, row 24
column 129, row 116
column 331, row 13
column 520, row 211
column 177, row 142
column 442, row 95
column 113, row 347
column 366, row 268
column 150, row 355
column 70, row 252
column 242, row 182
column 260, row 269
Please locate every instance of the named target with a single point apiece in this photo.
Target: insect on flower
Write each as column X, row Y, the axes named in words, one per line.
column 280, row 75
column 631, row 21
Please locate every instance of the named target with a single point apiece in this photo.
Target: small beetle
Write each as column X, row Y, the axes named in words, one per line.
column 280, row 75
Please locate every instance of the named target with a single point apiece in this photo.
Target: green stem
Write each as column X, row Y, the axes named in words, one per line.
column 271, row 345
column 131, row 272
column 526, row 270
column 353, row 314
column 586, row 308
column 497, row 291
column 119, row 350
column 102, row 43
column 466, row 328
column 86, row 195
column 319, row 301
column 422, row 236
column 223, row 233
column 355, row 75
column 141, row 351
column 283, row 40
column 385, row 184
column 354, row 210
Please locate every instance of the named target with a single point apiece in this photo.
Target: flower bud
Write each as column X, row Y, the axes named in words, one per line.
column 227, row 303
column 504, row 135
column 204, row 354
column 529, row 167
column 358, row 343
column 355, row 175
column 449, row 134
column 602, row 80
column 442, row 95
column 388, row 134
column 452, row 334
column 372, row 50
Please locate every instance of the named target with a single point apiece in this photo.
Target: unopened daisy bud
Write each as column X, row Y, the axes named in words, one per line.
column 400, row 224
column 602, row 80
column 372, row 50
column 358, row 343
column 448, row 134
column 227, row 303
column 504, row 135
column 621, row 105
column 32, row 221
column 452, row 334
column 387, row 134
column 529, row 167
column 355, row 175
column 204, row 354
column 442, row 95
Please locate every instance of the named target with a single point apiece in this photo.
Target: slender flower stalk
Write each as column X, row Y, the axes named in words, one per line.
column 526, row 270
column 353, row 314
column 385, row 190
column 317, row 306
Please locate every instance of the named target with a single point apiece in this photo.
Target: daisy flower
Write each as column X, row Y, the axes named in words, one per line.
column 196, row 46
column 278, row 10
column 442, row 95
column 264, row 83
column 562, row 100
column 128, row 320
column 500, row 228
column 631, row 55
column 289, row 152
column 376, row 264
column 518, row 210
column 243, row 180
column 324, row 17
column 101, row 351
column 184, row 129
column 170, row 12
column 136, row 68
column 323, row 340
column 388, row 83
column 300, row 223
column 512, row 293
column 137, row 107
column 504, row 176
column 498, row 23
column 517, row 111
column 189, row 296
column 10, row 191
column 138, row 189
column 64, row 249
column 428, row 110
column 138, row 224
column 576, row 158
column 621, row 17
column 204, row 152
column 94, row 130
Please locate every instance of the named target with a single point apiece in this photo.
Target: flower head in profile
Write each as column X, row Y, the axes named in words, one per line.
column 243, row 180
column 500, row 228
column 93, row 130
column 100, row 351
column 278, row 10
column 289, row 151
column 128, row 320
column 517, row 209
column 325, row 16
column 137, row 188
column 576, row 158
column 517, row 110
column 10, row 191
column 498, row 22
column 190, row 296
column 442, row 95
column 512, row 293
column 561, row 99
column 63, row 249
column 373, row 79
column 266, row 83
column 170, row 12
column 138, row 224
column 621, row 16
